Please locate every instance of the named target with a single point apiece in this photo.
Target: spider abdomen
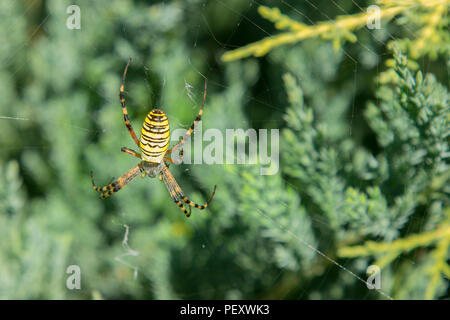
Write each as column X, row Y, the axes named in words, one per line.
column 155, row 136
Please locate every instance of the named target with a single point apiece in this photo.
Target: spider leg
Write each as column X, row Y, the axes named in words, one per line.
column 168, row 160
column 115, row 186
column 124, row 108
column 171, row 180
column 171, row 150
column 191, row 129
column 131, row 152
column 174, row 197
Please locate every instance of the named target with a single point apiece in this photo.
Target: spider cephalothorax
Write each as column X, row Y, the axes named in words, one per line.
column 154, row 143
column 152, row 169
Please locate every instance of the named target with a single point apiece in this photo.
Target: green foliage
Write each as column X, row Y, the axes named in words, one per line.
column 427, row 17
column 363, row 158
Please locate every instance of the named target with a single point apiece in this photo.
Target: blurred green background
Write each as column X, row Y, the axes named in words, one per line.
column 362, row 168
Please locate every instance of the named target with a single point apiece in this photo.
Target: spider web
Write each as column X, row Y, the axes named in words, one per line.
column 199, row 13
column 227, row 45
column 255, row 24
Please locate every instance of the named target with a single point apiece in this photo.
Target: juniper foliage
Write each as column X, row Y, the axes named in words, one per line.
column 363, row 167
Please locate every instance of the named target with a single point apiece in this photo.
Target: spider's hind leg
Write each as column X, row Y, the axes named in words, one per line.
column 124, row 108
column 180, row 144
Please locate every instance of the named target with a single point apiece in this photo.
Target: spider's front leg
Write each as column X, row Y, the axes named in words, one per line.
column 177, row 194
column 115, row 186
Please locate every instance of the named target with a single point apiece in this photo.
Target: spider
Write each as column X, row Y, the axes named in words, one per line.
column 153, row 144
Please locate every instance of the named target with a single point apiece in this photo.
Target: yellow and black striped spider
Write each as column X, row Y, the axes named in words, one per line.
column 153, row 144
